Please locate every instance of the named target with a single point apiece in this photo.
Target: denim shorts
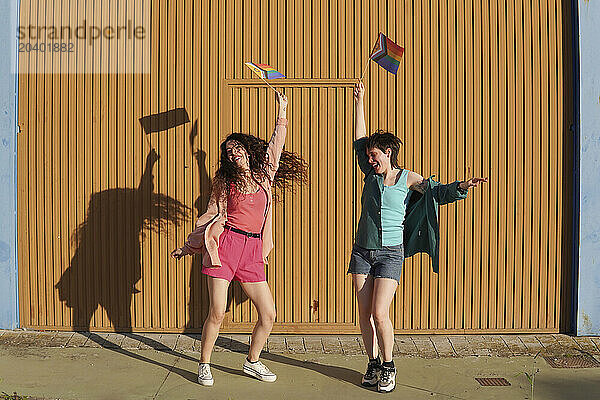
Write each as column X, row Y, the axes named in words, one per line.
column 384, row 263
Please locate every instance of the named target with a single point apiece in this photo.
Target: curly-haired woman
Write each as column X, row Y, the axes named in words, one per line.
column 234, row 236
column 398, row 219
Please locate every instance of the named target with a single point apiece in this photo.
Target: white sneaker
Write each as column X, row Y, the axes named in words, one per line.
column 204, row 376
column 259, row 370
column 387, row 381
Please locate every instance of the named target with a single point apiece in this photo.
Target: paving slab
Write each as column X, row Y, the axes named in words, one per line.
column 78, row 339
column 60, row 339
column 276, row 344
column 350, row 345
column 240, row 343
column 185, row 343
column 596, row 341
column 27, row 338
column 169, row 340
column 497, row 346
column 313, row 344
column 551, row 345
column 197, row 338
column 223, row 343
column 295, row 344
column 149, row 341
column 114, row 340
column 45, row 339
column 425, row 346
column 331, row 345
column 404, row 346
column 460, row 345
column 10, row 338
column 96, row 340
column 586, row 344
column 131, row 342
column 443, row 346
column 515, row 345
column 534, row 346
column 568, row 344
column 478, row 345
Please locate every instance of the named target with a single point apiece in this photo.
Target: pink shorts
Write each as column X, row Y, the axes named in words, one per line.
column 241, row 258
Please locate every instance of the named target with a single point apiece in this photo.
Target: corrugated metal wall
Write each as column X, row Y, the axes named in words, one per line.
column 484, row 89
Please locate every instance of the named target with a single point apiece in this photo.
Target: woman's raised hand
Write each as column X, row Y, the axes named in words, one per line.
column 359, row 92
column 283, row 103
column 282, row 100
column 471, row 183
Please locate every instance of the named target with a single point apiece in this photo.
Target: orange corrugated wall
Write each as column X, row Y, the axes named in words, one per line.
column 484, row 89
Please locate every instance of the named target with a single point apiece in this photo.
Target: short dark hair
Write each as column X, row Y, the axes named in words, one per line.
column 384, row 140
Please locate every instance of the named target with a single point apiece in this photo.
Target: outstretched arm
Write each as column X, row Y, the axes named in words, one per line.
column 195, row 240
column 443, row 194
column 418, row 183
column 360, row 129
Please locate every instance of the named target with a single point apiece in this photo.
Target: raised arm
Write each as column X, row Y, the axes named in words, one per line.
column 360, row 129
column 278, row 139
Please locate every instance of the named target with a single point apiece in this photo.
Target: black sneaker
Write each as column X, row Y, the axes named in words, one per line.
column 371, row 377
column 387, row 381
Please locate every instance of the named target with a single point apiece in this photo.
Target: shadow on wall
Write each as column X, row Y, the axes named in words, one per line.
column 107, row 262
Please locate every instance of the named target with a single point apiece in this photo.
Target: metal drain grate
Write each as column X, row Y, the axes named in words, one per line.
column 492, row 381
column 578, row 361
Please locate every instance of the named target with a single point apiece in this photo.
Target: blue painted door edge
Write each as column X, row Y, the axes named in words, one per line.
column 17, row 131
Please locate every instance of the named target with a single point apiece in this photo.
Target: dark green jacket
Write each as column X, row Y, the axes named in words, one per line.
column 421, row 228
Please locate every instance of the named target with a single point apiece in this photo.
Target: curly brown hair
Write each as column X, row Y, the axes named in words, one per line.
column 292, row 168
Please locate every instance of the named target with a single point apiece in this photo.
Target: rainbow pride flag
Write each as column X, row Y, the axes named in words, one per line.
column 387, row 54
column 265, row 71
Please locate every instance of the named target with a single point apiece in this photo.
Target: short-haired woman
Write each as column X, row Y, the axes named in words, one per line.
column 386, row 233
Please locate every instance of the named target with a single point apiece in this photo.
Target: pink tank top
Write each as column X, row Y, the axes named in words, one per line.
column 247, row 211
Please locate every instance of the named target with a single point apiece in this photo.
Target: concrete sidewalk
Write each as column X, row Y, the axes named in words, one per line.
column 70, row 365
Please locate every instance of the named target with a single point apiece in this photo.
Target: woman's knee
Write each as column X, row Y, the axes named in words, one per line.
column 364, row 316
column 216, row 316
column 381, row 316
column 268, row 316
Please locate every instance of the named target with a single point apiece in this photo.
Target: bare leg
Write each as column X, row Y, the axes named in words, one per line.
column 363, row 285
column 383, row 294
column 217, row 290
column 260, row 295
